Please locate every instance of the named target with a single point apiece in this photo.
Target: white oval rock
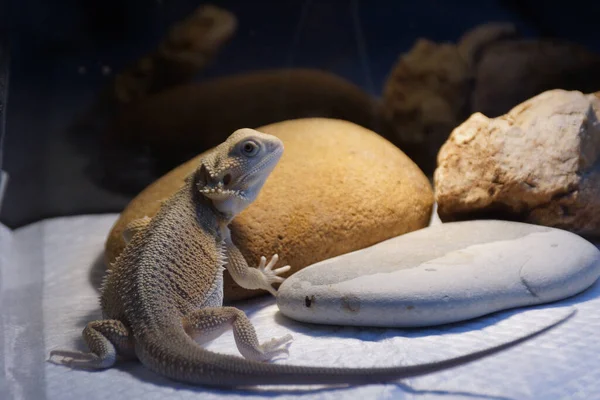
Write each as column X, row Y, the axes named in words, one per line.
column 442, row 274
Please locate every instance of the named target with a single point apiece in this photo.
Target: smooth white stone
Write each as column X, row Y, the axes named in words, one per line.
column 441, row 274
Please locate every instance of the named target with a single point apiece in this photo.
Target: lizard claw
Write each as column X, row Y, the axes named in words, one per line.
column 275, row 347
column 270, row 275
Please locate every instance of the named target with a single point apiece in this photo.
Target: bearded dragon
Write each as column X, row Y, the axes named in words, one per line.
column 163, row 296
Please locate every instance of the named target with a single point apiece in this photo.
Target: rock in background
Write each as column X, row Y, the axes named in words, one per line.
column 540, row 163
column 434, row 87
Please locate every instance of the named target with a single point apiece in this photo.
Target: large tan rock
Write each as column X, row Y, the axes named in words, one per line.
column 540, row 163
column 338, row 188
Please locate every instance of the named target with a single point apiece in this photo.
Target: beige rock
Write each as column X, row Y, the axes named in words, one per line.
column 540, row 163
column 338, row 188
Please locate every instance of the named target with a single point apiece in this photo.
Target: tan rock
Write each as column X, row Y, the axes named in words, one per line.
column 338, row 188
column 540, row 163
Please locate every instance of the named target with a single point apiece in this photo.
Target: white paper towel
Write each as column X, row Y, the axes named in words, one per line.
column 48, row 281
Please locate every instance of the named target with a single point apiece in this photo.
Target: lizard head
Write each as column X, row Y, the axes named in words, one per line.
column 233, row 173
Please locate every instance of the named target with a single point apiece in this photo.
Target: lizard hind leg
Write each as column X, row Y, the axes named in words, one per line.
column 105, row 339
column 208, row 323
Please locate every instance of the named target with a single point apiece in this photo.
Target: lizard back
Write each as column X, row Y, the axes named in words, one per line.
column 171, row 268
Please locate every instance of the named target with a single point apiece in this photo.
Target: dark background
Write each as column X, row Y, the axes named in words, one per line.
column 50, row 41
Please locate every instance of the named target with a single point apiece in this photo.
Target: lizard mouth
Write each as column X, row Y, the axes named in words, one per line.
column 207, row 186
column 219, row 192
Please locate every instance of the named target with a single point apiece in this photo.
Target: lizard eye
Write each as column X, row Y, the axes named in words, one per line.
column 250, row 148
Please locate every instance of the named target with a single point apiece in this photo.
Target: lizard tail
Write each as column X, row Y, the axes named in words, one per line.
column 174, row 354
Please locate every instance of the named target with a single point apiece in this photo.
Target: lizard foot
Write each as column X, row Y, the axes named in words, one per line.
column 270, row 275
column 275, row 347
column 78, row 359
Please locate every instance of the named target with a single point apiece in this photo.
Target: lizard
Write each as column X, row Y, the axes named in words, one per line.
column 163, row 296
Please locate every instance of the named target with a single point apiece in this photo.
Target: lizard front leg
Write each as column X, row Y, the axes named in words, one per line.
column 261, row 277
column 105, row 339
column 209, row 323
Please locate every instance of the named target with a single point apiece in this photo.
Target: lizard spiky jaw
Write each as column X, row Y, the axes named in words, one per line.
column 215, row 187
column 219, row 192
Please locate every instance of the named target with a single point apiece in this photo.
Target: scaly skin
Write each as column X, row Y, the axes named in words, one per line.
column 164, row 295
